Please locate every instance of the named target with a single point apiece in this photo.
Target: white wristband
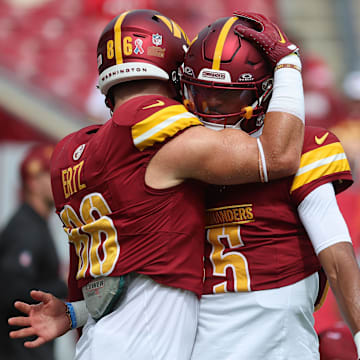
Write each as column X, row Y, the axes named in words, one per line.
column 357, row 343
column 288, row 93
column 263, row 168
column 81, row 313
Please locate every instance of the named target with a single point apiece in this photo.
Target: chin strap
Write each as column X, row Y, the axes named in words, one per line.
column 217, row 127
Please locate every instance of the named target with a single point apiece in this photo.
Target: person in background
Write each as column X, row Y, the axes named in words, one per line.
column 28, row 257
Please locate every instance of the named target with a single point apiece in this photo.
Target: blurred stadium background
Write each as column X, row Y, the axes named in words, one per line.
column 48, row 77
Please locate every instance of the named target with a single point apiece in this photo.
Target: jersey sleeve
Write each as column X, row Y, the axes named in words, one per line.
column 158, row 119
column 323, row 160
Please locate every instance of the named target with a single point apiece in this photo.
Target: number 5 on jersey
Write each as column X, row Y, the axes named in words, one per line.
column 222, row 260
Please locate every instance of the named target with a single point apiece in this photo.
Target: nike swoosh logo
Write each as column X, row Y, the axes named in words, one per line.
column 282, row 40
column 158, row 103
column 321, row 140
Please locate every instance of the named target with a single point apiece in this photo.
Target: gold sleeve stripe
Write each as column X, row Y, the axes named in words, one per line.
column 161, row 125
column 157, row 118
column 320, row 153
column 320, row 171
column 221, row 41
column 117, row 38
column 332, row 160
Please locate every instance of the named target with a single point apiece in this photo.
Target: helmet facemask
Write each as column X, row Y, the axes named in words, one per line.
column 220, row 106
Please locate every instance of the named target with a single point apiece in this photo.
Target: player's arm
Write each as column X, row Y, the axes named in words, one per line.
column 219, row 157
column 231, row 156
column 343, row 274
column 287, row 101
column 330, row 237
column 283, row 133
column 48, row 319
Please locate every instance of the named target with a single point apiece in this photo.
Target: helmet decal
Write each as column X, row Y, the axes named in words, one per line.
column 221, row 41
column 177, row 31
column 157, row 39
column 215, row 75
column 138, row 47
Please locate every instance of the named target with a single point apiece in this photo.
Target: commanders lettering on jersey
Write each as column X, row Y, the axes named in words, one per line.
column 322, row 161
column 161, row 125
column 229, row 215
column 71, row 179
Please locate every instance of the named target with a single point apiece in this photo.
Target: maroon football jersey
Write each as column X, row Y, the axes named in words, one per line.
column 254, row 237
column 117, row 224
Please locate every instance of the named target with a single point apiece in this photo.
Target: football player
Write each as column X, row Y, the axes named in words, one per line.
column 267, row 244
column 129, row 196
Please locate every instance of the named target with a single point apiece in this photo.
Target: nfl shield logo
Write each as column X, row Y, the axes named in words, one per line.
column 157, row 39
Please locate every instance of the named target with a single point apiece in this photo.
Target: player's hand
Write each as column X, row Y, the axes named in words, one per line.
column 46, row 320
column 266, row 35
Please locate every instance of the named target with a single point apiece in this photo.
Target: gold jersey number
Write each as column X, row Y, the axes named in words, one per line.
column 222, row 260
column 93, row 235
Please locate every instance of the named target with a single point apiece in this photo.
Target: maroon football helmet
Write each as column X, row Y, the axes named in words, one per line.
column 225, row 79
column 337, row 343
column 140, row 44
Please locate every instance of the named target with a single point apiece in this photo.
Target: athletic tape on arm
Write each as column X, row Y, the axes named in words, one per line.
column 262, row 168
column 78, row 313
column 288, row 94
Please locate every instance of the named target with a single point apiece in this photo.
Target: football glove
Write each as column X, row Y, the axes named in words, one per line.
column 265, row 35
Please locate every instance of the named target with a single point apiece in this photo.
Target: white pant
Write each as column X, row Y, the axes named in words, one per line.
column 276, row 324
column 153, row 322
